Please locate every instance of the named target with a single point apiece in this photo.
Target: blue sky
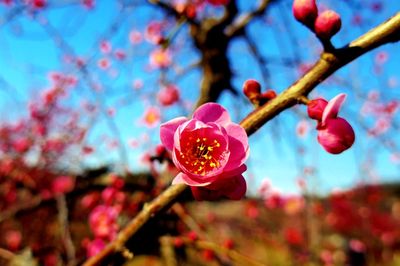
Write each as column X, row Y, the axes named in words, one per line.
column 30, row 49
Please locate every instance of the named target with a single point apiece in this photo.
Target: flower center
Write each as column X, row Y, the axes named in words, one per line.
column 201, row 155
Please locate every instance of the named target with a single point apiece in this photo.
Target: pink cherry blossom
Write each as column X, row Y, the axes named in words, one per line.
column 135, row 37
column 160, row 58
column 63, row 184
column 218, row 2
column 13, row 239
column 168, row 95
column 335, row 134
column 151, row 116
column 154, row 32
column 209, row 150
column 103, row 222
column 302, row 128
column 95, row 247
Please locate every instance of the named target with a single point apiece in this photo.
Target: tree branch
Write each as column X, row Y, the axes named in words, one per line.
column 328, row 63
column 240, row 23
column 387, row 32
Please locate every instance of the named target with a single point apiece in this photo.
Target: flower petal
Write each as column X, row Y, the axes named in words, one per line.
column 237, row 189
column 202, row 193
column 212, row 112
column 238, row 146
column 182, row 178
column 167, row 131
column 234, row 172
column 337, row 135
column 333, row 107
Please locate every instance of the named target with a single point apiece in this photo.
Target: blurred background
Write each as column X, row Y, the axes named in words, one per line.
column 85, row 85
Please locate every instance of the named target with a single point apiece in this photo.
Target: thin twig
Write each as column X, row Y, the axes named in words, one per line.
column 6, row 254
column 234, row 255
column 64, row 228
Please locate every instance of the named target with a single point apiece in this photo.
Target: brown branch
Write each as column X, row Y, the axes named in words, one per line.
column 243, row 20
column 171, row 10
column 387, row 32
column 328, row 63
column 168, row 251
column 6, row 254
column 65, row 231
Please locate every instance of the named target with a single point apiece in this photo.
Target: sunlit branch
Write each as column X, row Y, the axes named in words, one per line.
column 327, row 64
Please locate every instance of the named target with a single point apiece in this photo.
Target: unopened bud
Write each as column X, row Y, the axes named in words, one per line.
column 266, row 96
column 252, row 89
column 305, row 11
column 316, row 107
column 327, row 24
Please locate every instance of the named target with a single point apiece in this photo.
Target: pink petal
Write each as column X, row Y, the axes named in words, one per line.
column 167, row 131
column 337, row 135
column 333, row 107
column 234, row 172
column 238, row 146
column 201, row 193
column 237, row 189
column 233, row 188
column 212, row 112
column 187, row 127
column 182, row 178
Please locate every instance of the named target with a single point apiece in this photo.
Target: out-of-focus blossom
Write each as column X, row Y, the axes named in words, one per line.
column 94, row 247
column 151, row 116
column 302, row 128
column 160, row 58
column 103, row 222
column 293, row 236
column 135, row 37
column 154, row 32
column 168, row 95
column 104, row 63
column 218, row 2
column 63, row 184
column 13, row 239
column 105, row 47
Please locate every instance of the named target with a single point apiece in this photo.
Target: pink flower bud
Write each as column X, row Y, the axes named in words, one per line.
column 252, row 89
column 266, row 96
column 305, row 11
column 316, row 107
column 327, row 24
column 63, row 184
column 168, row 95
column 336, row 135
